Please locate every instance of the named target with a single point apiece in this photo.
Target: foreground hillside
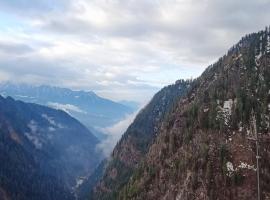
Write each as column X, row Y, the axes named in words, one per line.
column 44, row 152
column 203, row 148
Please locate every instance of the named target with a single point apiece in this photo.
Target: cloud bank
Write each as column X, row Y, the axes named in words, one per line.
column 122, row 49
column 113, row 134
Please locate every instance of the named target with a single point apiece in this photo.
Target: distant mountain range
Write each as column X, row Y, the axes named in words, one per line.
column 93, row 111
column 44, row 152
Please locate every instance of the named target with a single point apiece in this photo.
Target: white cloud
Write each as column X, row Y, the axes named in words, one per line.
column 65, row 107
column 114, row 133
column 52, row 122
column 33, row 135
column 116, row 46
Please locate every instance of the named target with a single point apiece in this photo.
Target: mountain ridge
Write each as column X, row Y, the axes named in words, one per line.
column 93, row 111
column 194, row 155
column 203, row 150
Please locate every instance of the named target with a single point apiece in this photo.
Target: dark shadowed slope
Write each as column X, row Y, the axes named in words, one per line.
column 43, row 151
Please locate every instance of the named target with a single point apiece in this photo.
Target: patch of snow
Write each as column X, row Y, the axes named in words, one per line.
column 206, row 110
column 226, row 111
column 230, row 168
column 239, row 56
column 246, row 166
column 228, row 106
column 268, row 44
column 261, row 77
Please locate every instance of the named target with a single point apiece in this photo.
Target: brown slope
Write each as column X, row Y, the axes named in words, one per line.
column 203, row 150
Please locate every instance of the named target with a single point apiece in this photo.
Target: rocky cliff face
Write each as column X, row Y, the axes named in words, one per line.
column 203, row 148
column 135, row 143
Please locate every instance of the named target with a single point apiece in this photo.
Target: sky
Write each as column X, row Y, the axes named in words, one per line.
column 121, row 49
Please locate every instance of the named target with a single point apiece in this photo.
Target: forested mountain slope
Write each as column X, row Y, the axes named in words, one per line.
column 43, row 152
column 205, row 148
column 136, row 141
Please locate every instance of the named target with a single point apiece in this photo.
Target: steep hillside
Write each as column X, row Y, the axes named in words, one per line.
column 93, row 111
column 205, row 148
column 136, row 141
column 21, row 176
column 43, row 151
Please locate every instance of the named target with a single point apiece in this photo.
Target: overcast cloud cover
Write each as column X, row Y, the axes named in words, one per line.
column 121, row 49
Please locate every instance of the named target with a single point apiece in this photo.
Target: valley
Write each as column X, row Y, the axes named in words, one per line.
column 134, row 100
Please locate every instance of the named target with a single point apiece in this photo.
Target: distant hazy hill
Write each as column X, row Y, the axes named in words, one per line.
column 93, row 111
column 43, row 152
